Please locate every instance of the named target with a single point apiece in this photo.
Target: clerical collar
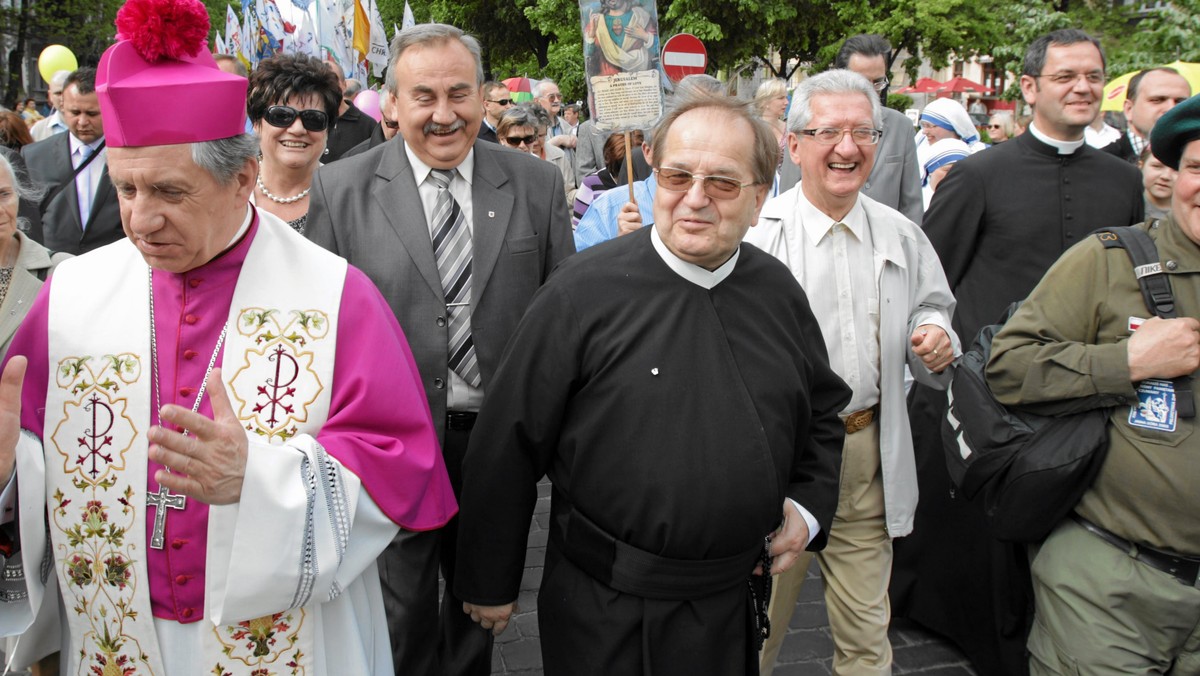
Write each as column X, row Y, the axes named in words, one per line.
column 466, row 168
column 817, row 224
column 690, row 271
column 1064, row 147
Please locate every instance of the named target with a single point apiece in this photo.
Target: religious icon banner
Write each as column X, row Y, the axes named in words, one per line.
column 621, row 58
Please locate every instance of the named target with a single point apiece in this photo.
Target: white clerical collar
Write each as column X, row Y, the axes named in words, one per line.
column 1064, row 147
column 817, row 223
column 690, row 271
column 466, row 168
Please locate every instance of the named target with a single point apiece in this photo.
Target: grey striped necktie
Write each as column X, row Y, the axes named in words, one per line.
column 452, row 248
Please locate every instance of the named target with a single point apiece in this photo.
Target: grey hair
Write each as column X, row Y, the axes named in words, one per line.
column 27, row 190
column 538, row 89
column 431, row 34
column 521, row 116
column 225, row 157
column 839, row 81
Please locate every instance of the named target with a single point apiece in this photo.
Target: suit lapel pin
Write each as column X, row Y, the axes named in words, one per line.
column 654, row 371
column 491, row 214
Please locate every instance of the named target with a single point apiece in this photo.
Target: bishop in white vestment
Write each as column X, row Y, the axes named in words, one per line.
column 220, row 425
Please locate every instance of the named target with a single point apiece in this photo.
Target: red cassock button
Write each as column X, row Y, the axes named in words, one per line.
column 190, row 354
column 190, row 319
column 181, row 579
column 178, row 543
column 187, row 391
column 195, row 282
column 185, row 613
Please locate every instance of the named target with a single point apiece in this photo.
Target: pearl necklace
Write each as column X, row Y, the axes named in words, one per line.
column 281, row 200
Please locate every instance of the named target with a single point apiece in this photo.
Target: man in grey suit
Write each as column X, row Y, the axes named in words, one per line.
column 79, row 211
column 458, row 234
column 896, row 178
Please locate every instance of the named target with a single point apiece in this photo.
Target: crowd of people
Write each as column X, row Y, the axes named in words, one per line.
column 274, row 366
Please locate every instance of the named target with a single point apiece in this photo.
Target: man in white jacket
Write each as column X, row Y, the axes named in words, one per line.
column 878, row 290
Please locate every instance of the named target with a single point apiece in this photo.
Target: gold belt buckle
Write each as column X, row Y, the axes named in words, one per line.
column 858, row 420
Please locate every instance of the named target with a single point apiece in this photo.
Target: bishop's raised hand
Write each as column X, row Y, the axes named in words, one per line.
column 10, row 415
column 209, row 462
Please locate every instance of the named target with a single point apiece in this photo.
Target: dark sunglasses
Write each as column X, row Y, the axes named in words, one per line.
column 501, row 102
column 284, row 116
column 515, row 141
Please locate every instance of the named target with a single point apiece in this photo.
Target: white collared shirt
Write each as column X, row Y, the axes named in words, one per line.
column 87, row 182
column 835, row 263
column 459, row 395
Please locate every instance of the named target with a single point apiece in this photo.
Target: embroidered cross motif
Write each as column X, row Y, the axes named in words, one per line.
column 161, row 500
column 278, row 387
column 94, row 439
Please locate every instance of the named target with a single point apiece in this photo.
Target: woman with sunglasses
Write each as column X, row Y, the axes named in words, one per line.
column 292, row 99
column 524, row 128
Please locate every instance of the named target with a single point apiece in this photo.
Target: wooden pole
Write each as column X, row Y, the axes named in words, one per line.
column 629, row 166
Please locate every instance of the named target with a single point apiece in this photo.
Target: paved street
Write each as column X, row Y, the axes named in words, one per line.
column 807, row 650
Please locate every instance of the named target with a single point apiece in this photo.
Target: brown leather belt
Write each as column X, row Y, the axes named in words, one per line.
column 858, row 421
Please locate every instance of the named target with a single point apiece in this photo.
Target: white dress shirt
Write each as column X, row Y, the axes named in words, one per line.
column 460, row 396
column 87, row 181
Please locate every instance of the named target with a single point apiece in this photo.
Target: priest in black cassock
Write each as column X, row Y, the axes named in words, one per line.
column 675, row 386
column 998, row 221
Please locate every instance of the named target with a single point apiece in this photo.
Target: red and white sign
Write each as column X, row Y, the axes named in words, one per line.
column 684, row 55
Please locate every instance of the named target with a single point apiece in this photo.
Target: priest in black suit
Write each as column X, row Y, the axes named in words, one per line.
column 79, row 211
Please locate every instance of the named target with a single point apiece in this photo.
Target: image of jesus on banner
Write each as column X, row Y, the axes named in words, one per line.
column 619, row 37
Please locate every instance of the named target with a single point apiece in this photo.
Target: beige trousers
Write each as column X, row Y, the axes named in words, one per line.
column 856, row 565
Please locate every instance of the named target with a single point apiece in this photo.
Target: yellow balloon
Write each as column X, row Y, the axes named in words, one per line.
column 55, row 58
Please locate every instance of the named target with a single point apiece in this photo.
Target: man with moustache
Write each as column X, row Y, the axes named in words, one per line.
column 458, row 234
column 998, row 221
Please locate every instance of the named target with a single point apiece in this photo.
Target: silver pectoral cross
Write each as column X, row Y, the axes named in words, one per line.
column 161, row 500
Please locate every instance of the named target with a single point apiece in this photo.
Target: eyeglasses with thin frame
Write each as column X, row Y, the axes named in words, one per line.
column 284, row 116
column 501, row 102
column 829, row 136
column 515, row 141
column 1068, row 77
column 716, row 187
column 553, row 97
column 880, row 84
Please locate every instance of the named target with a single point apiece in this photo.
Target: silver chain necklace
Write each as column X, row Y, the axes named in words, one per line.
column 281, row 200
column 163, row 498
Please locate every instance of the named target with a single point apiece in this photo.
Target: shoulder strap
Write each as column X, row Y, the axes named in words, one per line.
column 71, row 181
column 1156, row 290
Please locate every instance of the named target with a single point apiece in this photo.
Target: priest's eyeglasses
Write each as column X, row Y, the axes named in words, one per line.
column 716, row 187
column 1068, row 77
column 284, row 116
column 828, row 136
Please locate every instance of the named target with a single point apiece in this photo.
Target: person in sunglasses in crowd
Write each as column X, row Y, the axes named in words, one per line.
column 496, row 100
column 291, row 101
column 386, row 130
column 524, row 128
column 679, row 431
column 883, row 303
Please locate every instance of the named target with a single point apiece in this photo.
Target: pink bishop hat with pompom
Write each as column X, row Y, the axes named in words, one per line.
column 159, row 85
